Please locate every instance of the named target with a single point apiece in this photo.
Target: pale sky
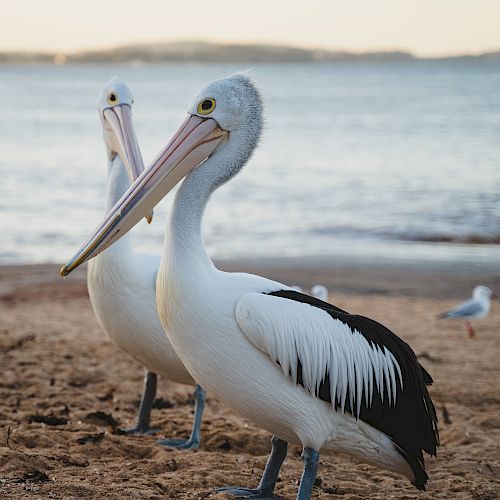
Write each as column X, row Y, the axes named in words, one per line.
column 424, row 27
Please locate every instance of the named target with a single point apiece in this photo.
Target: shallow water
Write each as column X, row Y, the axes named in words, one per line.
column 357, row 160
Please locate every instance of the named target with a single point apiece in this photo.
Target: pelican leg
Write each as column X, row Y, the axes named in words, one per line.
column 265, row 489
column 194, row 441
column 147, row 400
column 310, row 458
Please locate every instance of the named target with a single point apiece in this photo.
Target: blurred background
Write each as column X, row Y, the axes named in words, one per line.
column 382, row 138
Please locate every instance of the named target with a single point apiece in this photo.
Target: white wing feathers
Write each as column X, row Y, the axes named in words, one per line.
column 290, row 332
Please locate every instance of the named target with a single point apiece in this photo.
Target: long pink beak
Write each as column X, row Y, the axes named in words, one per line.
column 192, row 144
column 120, row 120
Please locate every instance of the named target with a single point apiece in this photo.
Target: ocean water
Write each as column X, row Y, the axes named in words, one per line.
column 358, row 160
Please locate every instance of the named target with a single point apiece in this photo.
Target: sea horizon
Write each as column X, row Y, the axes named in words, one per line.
column 373, row 160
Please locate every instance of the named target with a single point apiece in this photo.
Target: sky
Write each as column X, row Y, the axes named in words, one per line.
column 424, row 27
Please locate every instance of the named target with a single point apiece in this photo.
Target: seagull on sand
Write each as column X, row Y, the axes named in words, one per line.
column 475, row 308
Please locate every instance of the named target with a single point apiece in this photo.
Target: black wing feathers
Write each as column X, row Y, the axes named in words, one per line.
column 412, row 423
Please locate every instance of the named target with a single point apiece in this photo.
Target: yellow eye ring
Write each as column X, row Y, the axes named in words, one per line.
column 206, row 106
column 112, row 99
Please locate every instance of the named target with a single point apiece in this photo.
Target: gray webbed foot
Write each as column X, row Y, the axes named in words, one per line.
column 140, row 431
column 194, row 440
column 255, row 493
column 265, row 489
column 142, row 427
column 179, row 444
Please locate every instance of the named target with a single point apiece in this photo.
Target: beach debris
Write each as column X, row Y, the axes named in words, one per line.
column 428, row 357
column 33, row 476
column 47, row 419
column 17, row 344
column 91, row 438
column 172, row 465
column 226, row 445
column 102, row 419
column 161, row 404
column 108, row 396
column 7, row 437
column 78, row 382
column 73, row 462
column 446, row 415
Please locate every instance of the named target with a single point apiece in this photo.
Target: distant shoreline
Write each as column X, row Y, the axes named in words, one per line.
column 177, row 52
column 365, row 277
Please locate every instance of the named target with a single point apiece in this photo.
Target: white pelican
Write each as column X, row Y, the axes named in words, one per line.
column 304, row 370
column 320, row 292
column 121, row 282
column 475, row 308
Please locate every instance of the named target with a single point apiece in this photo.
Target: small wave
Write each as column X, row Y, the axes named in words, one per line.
column 470, row 239
column 415, row 236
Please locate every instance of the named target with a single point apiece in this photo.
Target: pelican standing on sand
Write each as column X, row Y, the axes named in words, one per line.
column 122, row 282
column 475, row 308
column 304, row 370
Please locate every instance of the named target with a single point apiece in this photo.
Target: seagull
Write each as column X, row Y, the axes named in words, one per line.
column 307, row 371
column 320, row 292
column 121, row 281
column 475, row 308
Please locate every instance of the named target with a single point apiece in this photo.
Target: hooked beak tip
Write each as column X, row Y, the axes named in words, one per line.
column 64, row 271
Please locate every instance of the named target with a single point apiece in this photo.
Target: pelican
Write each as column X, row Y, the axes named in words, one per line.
column 304, row 370
column 475, row 308
column 320, row 292
column 121, row 282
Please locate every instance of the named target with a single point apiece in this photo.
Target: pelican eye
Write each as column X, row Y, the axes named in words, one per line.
column 112, row 98
column 206, row 106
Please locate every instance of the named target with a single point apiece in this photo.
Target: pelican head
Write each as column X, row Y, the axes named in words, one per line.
column 223, row 124
column 482, row 291
column 115, row 109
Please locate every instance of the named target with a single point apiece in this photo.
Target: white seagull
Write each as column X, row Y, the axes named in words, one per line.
column 475, row 308
column 320, row 292
column 122, row 282
column 304, row 370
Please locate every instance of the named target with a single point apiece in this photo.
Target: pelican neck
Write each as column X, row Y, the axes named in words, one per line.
column 183, row 238
column 118, row 181
column 118, row 184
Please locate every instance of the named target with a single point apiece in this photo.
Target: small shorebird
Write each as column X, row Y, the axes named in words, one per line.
column 320, row 292
column 121, row 282
column 305, row 370
column 475, row 308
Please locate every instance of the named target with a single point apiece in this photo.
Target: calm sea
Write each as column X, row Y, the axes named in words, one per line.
column 358, row 160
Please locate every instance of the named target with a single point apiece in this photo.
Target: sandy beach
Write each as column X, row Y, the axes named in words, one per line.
column 66, row 391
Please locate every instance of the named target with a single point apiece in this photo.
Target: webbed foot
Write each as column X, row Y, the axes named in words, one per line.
column 141, row 431
column 255, row 493
column 179, row 444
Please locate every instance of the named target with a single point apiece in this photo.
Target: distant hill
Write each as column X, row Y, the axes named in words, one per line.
column 216, row 52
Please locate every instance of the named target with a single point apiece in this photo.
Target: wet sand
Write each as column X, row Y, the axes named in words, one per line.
column 66, row 391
